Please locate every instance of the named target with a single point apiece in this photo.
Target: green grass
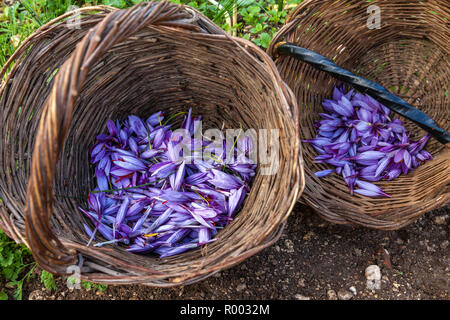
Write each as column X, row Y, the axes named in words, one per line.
column 14, row 266
column 17, row 267
column 257, row 21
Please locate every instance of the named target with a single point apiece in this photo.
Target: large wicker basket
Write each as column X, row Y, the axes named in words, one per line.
column 409, row 55
column 137, row 61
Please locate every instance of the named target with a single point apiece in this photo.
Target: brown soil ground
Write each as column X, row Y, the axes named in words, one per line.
column 311, row 258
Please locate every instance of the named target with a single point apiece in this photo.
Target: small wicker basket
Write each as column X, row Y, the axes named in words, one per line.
column 154, row 56
column 409, row 55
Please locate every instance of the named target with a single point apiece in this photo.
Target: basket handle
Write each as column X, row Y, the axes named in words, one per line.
column 372, row 88
column 48, row 251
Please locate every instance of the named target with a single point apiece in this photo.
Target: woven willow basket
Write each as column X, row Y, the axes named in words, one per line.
column 157, row 56
column 409, row 55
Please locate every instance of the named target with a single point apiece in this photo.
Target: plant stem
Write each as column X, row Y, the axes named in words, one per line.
column 280, row 5
column 235, row 17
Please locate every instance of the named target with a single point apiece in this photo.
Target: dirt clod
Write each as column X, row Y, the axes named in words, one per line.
column 331, row 294
column 344, row 294
column 37, row 295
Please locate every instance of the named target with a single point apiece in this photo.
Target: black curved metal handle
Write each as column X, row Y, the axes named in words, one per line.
column 367, row 86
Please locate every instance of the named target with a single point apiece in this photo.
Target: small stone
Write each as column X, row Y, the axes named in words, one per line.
column 134, row 298
column 344, row 294
column 373, row 276
column 36, row 295
column 444, row 244
column 358, row 252
column 98, row 293
column 331, row 294
column 301, row 282
column 440, row 219
column 353, row 290
column 241, row 287
column 289, row 246
column 301, row 297
column 308, row 236
column 15, row 40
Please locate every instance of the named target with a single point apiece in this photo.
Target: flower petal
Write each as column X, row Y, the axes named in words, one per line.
column 235, row 200
column 323, row 173
column 224, row 181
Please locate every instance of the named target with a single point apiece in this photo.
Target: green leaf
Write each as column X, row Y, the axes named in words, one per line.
column 265, row 39
column 11, row 273
column 9, row 259
column 3, row 295
column 115, row 3
column 12, row 264
column 101, row 287
column 48, row 280
column 86, row 284
column 95, row 286
column 18, row 292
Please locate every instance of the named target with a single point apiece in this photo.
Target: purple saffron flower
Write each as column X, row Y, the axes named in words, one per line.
column 137, row 126
column 382, row 165
column 369, row 189
column 155, row 119
column 235, row 200
column 177, row 179
column 161, row 204
column 121, row 213
column 360, row 140
column 130, row 163
column 224, row 181
column 176, row 250
column 323, row 173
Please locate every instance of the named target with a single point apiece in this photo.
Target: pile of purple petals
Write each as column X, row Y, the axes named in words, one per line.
column 150, row 198
column 360, row 140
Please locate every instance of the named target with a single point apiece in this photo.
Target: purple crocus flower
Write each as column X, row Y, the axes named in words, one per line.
column 148, row 195
column 224, row 181
column 360, row 140
column 324, row 173
column 236, row 198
